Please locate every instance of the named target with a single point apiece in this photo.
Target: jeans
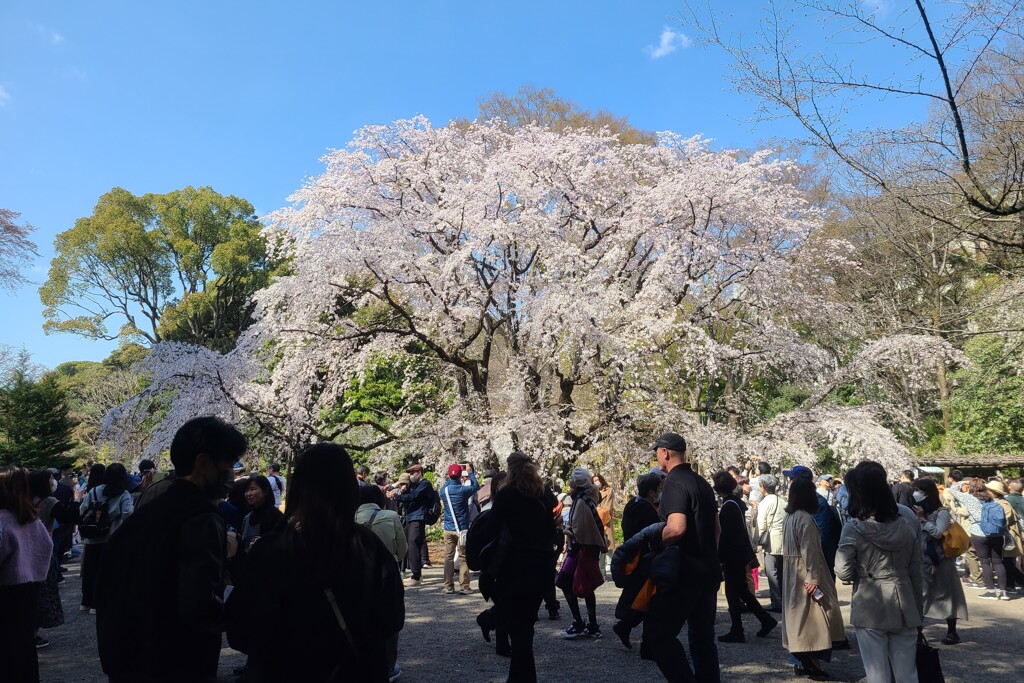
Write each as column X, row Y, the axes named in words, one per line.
column 773, row 570
column 670, row 609
column 888, row 656
column 417, row 539
column 451, row 542
column 990, row 554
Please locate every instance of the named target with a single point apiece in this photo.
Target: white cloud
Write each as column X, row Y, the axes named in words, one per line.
column 48, row 34
column 669, row 42
column 4, row 96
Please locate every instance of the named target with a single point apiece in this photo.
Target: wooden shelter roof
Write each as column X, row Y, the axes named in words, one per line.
column 973, row 460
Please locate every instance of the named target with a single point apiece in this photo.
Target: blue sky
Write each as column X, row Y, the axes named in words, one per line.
column 246, row 96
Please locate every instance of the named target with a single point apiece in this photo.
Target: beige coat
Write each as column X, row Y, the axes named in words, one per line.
column 1013, row 527
column 807, row 626
column 771, row 513
column 883, row 560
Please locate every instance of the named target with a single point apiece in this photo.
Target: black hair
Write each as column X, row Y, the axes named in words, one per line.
column 274, row 467
column 931, row 501
column 371, row 494
column 115, row 482
column 210, row 435
column 763, row 467
column 870, row 494
column 322, row 501
column 733, row 470
column 646, row 484
column 909, row 474
column 39, row 484
column 264, row 484
column 146, row 464
column 802, row 496
column 237, row 495
column 724, row 483
column 380, row 479
column 956, row 475
column 97, row 476
column 363, row 470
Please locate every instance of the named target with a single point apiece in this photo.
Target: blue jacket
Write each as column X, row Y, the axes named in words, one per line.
column 417, row 500
column 460, row 496
column 828, row 527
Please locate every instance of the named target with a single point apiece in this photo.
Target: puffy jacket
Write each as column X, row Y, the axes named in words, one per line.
column 460, row 496
column 631, row 570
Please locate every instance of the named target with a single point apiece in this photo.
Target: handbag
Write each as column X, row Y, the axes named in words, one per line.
column 955, row 541
column 564, row 579
column 928, row 668
column 588, row 577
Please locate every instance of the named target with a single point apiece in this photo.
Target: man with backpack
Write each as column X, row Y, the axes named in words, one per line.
column 276, row 483
column 161, row 582
column 423, row 508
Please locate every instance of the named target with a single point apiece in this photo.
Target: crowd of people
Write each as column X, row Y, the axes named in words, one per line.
column 320, row 564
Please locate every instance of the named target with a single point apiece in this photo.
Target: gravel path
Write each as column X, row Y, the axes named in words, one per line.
column 441, row 644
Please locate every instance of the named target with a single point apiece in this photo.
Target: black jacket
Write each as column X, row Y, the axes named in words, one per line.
column 281, row 617
column 158, row 601
column 528, row 566
column 734, row 547
column 638, row 514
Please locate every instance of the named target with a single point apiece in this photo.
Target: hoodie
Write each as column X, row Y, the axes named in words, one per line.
column 883, row 560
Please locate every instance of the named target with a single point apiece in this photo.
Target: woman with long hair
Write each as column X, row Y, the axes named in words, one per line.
column 988, row 547
column 25, row 555
column 521, row 510
column 320, row 588
column 943, row 594
column 737, row 555
column 811, row 620
column 881, row 554
column 49, row 611
column 262, row 516
column 113, row 494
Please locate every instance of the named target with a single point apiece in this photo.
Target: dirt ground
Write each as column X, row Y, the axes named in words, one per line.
column 441, row 644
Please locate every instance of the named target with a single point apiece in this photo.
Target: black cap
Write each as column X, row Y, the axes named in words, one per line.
column 671, row 441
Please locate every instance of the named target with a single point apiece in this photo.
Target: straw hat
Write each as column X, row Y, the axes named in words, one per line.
column 996, row 487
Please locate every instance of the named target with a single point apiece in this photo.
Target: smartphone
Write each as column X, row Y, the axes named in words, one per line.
column 817, row 595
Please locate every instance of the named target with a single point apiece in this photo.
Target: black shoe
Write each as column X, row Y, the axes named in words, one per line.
column 776, row 610
column 951, row 639
column 593, row 631
column 813, row 674
column 843, row 644
column 733, row 637
column 768, row 626
column 484, row 625
column 620, row 629
column 41, row 642
column 552, row 615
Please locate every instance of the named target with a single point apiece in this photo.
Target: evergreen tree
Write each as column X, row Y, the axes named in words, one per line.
column 35, row 428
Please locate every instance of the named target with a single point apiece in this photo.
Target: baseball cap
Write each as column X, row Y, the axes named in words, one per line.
column 671, row 441
column 798, row 472
column 455, row 470
column 825, row 477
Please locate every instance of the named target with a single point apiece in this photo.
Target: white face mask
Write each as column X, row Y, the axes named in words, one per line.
column 53, row 485
column 919, row 497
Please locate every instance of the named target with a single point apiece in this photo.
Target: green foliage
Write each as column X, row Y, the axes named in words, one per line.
column 35, row 425
column 180, row 266
column 787, row 397
column 987, row 411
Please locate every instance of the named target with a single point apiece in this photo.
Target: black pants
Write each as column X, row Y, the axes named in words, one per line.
column 1014, row 577
column 17, row 633
column 738, row 594
column 416, row 536
column 92, row 559
column 670, row 609
column 990, row 553
column 515, row 616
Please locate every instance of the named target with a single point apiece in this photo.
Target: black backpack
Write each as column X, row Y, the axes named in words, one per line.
column 95, row 523
column 433, row 513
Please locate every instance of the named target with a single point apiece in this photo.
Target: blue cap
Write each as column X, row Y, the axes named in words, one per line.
column 799, row 472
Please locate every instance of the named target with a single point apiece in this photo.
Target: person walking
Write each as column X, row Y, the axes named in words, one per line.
column 581, row 575
column 49, row 611
column 737, row 555
column 640, row 512
column 606, row 511
column 943, row 593
column 687, row 572
column 323, row 595
column 456, row 499
column 1011, row 551
column 771, row 515
column 113, row 498
column 522, row 578
column 25, row 555
column 881, row 555
column 986, row 540
column 811, row 619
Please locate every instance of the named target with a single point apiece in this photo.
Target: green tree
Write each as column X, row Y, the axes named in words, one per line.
column 180, row 266
column 35, row 427
column 988, row 409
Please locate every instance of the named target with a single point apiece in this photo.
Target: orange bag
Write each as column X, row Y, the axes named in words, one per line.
column 955, row 541
column 642, row 601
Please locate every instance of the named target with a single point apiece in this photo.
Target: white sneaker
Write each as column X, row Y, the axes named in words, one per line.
column 1003, row 595
column 411, row 582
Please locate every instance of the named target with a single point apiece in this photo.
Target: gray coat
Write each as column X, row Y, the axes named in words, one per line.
column 883, row 560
